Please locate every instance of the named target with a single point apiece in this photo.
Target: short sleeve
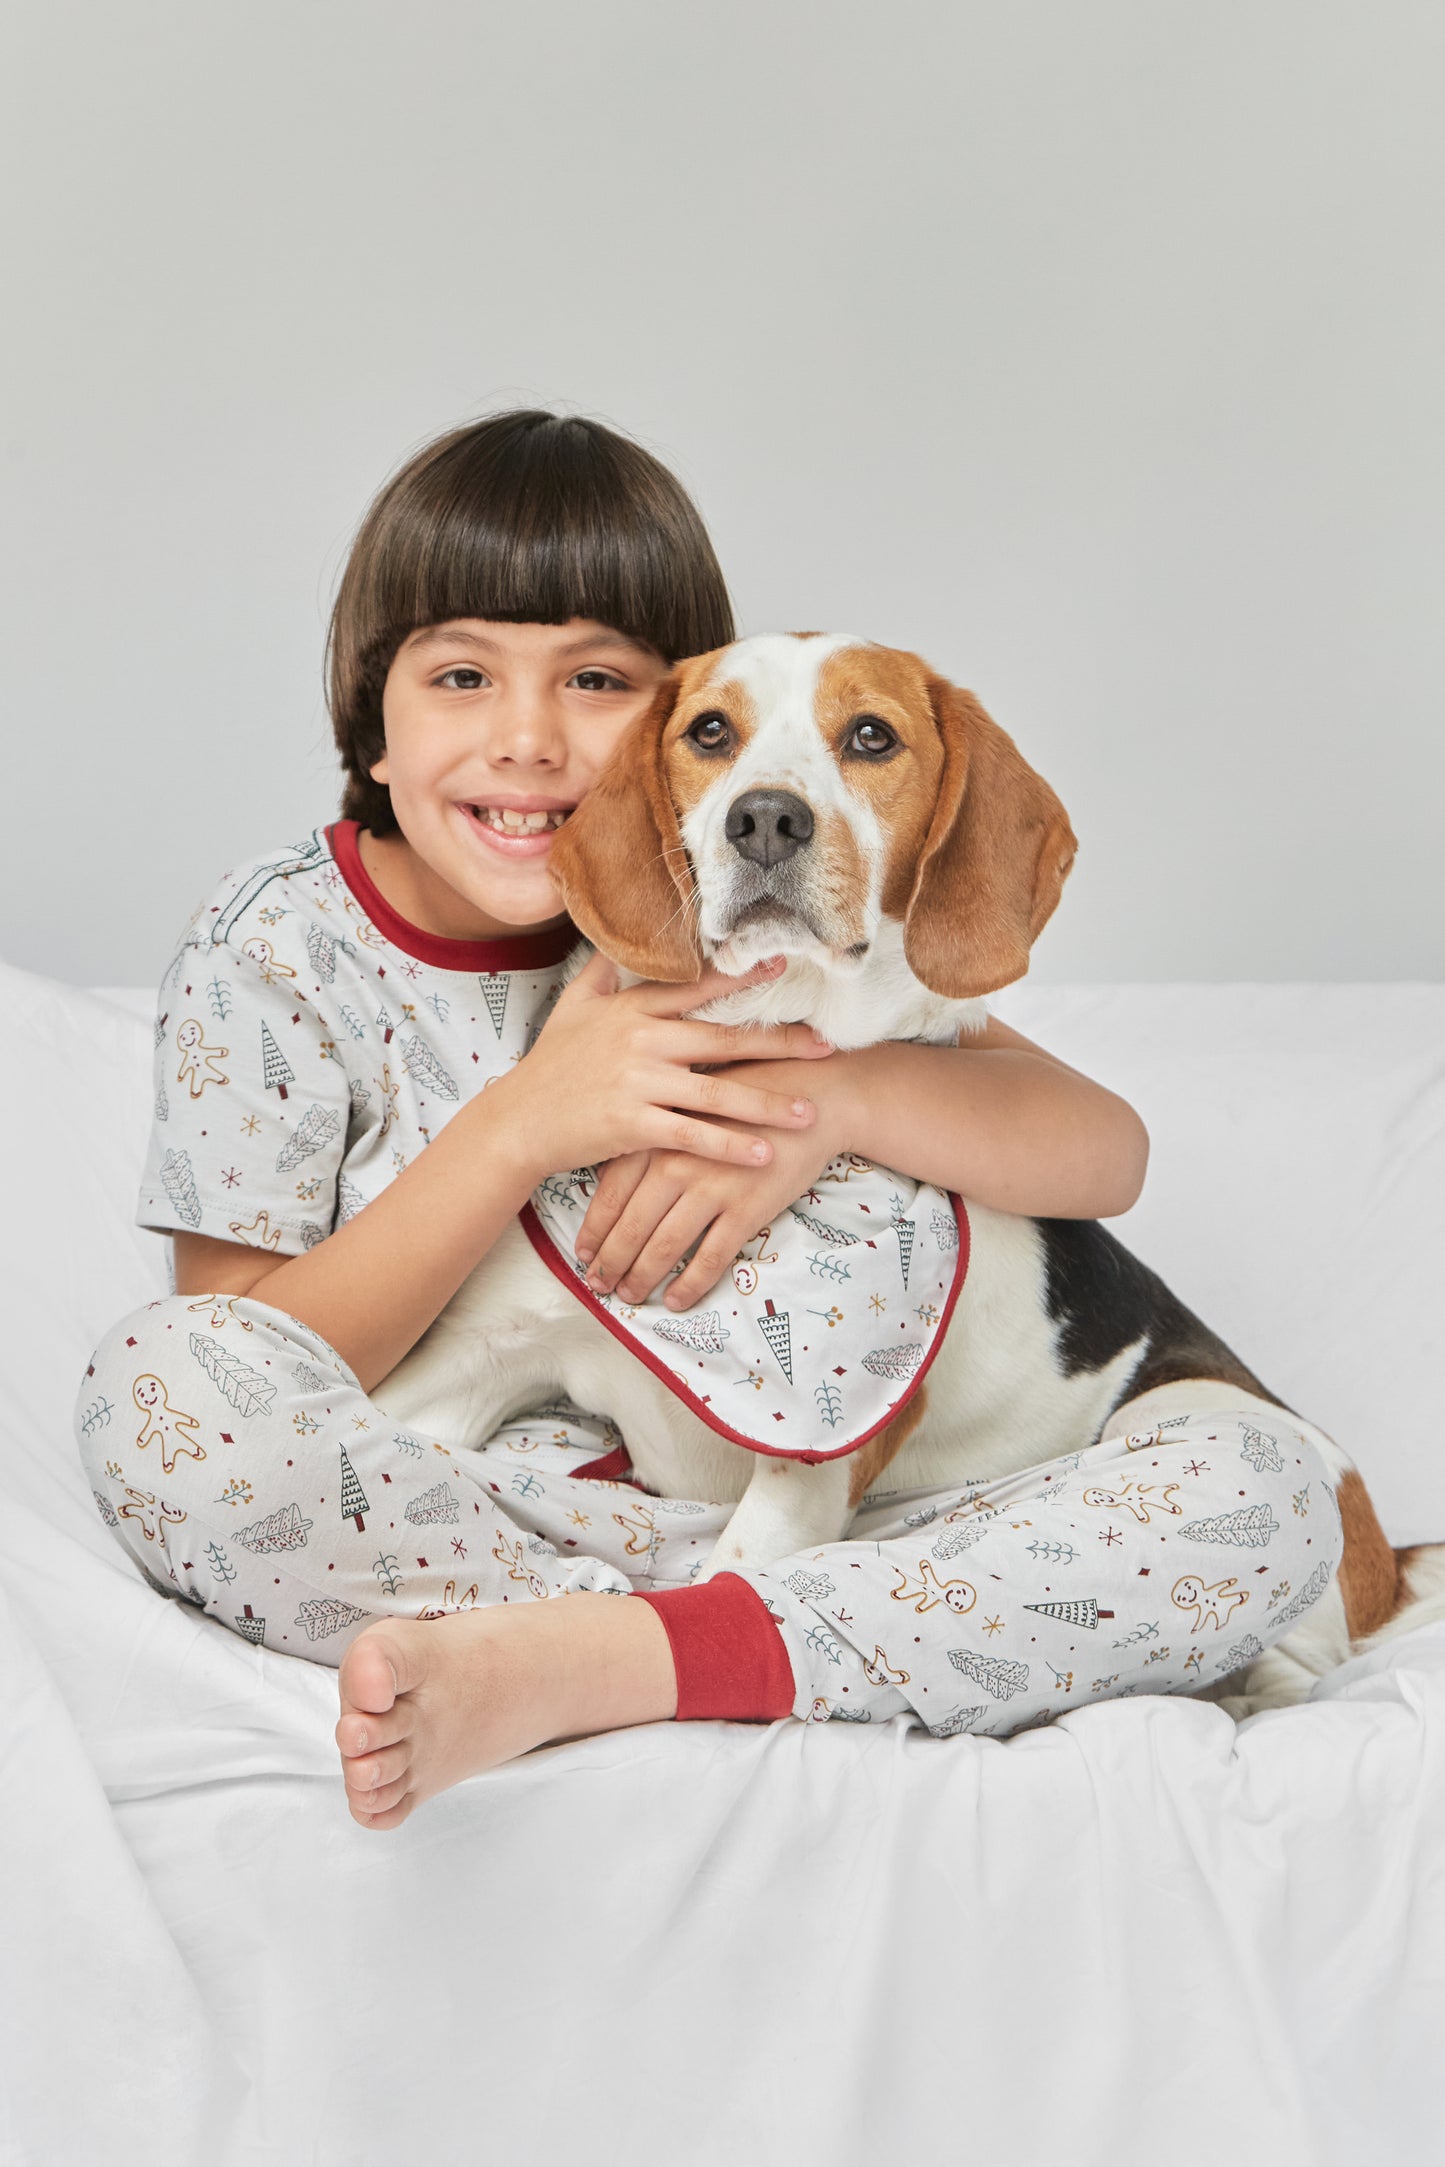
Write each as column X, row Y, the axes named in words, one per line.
column 252, row 1106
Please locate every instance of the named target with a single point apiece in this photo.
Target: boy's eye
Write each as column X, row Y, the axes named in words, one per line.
column 470, row 677
column 599, row 681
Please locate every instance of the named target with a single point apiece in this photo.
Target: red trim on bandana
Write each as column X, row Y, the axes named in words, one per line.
column 727, row 1651
column 557, row 1264
column 519, row 952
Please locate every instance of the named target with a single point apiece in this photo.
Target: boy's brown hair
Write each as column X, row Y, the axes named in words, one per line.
column 525, row 518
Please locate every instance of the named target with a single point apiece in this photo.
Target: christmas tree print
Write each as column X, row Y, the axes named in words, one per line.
column 316, row 1128
column 1084, row 1612
column 1262, row 1452
column 820, row 1228
column 180, row 1186
column 435, row 1507
column 386, row 1024
column 957, row 1720
column 327, row 1615
column 825, row 1267
column 321, row 948
column 283, row 1529
column 218, row 993
column 349, row 1200
column 1249, row 1527
column 309, row 1379
column 106, row 1509
column 353, row 1497
column 357, row 1029
column 809, row 1587
column 995, row 1673
column 905, row 1230
column 419, row 1061
column 945, row 1229
column 276, row 1070
column 221, row 1567
column 253, row 1627
column 829, row 1402
column 1310, row 1593
column 707, row 1332
column 96, row 1417
column 494, row 992
column 247, row 1390
column 899, row 1361
column 963, row 1536
column 1243, row 1651
column 777, row 1331
column 163, row 1109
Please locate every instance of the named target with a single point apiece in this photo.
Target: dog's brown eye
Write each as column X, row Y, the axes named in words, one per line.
column 711, row 733
column 869, row 735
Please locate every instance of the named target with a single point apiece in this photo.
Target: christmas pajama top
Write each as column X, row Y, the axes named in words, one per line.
column 309, row 1042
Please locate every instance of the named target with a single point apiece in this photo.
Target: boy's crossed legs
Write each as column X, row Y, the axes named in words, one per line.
column 242, row 1459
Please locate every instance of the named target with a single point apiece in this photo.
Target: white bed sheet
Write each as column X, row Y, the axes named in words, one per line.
column 1141, row 1936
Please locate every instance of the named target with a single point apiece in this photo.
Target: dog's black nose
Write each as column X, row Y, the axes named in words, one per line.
column 768, row 825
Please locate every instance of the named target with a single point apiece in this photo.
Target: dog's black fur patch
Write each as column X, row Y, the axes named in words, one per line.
column 1102, row 1299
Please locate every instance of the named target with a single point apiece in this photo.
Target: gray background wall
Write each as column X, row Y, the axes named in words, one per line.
column 1094, row 351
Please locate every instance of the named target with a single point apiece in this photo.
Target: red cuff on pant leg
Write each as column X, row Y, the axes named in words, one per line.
column 727, row 1651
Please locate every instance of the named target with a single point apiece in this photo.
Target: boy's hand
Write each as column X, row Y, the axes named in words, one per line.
column 650, row 1207
column 613, row 1072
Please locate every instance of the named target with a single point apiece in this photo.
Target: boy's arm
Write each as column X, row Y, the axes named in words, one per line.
column 997, row 1119
column 375, row 1285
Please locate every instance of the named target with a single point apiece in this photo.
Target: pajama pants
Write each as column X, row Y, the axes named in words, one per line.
column 234, row 1454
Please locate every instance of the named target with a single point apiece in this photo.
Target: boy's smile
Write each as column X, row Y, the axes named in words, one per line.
column 493, row 733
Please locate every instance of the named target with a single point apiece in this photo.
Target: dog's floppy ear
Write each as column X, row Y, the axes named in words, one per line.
column 994, row 861
column 619, row 860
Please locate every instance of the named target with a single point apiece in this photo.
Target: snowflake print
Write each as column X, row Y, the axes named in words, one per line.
column 877, row 1303
column 231, row 1176
column 1196, row 1467
column 411, row 970
column 250, row 1125
column 459, row 1546
column 579, row 1519
column 1110, row 1536
column 993, row 1625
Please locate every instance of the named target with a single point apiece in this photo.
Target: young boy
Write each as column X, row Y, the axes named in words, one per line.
column 364, row 1068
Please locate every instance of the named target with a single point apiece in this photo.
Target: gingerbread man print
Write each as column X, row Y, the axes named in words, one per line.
column 1211, row 1606
column 264, row 955
column 175, row 1429
column 140, row 1506
column 928, row 1591
column 1135, row 1497
column 197, row 1056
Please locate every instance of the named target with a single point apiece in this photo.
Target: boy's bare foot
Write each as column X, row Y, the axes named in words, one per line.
column 425, row 1704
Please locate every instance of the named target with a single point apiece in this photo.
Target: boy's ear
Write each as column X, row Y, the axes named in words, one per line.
column 994, row 862
column 619, row 859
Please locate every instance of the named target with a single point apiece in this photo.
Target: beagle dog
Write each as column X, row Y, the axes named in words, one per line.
column 839, row 803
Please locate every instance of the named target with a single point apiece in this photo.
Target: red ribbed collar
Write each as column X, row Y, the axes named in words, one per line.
column 518, row 952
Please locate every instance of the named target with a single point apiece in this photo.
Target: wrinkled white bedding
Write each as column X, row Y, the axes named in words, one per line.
column 1140, row 1937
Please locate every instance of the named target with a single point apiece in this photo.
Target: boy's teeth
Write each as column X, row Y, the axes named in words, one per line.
column 517, row 823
